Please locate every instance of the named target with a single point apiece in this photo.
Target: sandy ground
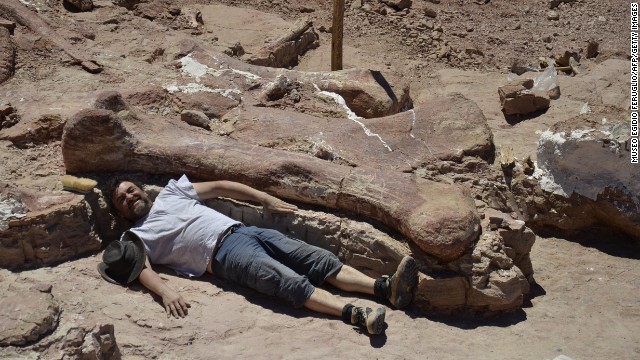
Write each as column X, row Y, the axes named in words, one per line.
column 586, row 308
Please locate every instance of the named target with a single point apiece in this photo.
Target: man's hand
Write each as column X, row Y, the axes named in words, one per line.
column 273, row 204
column 174, row 304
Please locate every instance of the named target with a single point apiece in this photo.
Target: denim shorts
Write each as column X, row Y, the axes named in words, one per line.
column 274, row 264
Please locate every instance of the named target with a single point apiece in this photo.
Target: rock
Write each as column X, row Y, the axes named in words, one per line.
column 8, row 116
column 7, row 55
column 445, row 229
column 285, row 49
column 516, row 98
column 110, row 100
column 592, row 49
column 82, row 5
column 55, row 227
column 430, row 12
column 214, row 103
column 398, row 4
column 236, row 50
column 44, row 288
column 189, row 18
column 128, row 4
column 356, row 4
column 564, row 58
column 195, row 118
column 553, row 15
column 89, row 341
column 587, row 164
column 24, row 134
column 554, row 3
column 276, row 89
column 9, row 25
column 506, row 157
column 26, row 317
column 442, row 294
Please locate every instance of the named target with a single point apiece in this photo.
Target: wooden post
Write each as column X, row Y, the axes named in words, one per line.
column 336, row 35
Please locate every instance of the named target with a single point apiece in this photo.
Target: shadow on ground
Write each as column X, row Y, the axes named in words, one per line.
column 603, row 239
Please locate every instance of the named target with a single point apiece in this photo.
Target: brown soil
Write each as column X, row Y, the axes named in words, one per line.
column 586, row 305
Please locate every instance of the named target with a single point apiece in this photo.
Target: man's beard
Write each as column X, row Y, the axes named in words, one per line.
column 142, row 208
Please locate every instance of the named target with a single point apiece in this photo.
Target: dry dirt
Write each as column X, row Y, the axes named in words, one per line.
column 586, row 305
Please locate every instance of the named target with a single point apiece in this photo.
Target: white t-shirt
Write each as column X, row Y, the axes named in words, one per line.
column 179, row 231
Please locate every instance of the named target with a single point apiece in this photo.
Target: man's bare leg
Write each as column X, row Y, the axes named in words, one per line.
column 326, row 303
column 350, row 279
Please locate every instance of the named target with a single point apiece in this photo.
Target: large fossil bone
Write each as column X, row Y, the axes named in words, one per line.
column 444, row 128
column 366, row 92
column 441, row 219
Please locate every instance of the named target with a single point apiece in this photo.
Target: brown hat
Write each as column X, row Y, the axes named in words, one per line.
column 123, row 260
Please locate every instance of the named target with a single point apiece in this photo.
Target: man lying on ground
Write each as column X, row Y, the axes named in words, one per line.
column 178, row 231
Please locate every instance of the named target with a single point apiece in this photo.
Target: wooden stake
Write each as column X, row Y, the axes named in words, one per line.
column 336, row 35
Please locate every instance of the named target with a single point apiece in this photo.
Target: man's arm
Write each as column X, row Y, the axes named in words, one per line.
column 173, row 302
column 237, row 191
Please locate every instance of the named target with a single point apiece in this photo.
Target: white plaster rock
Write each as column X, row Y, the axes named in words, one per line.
column 587, row 162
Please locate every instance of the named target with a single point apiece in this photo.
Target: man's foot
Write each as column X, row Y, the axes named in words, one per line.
column 403, row 282
column 372, row 320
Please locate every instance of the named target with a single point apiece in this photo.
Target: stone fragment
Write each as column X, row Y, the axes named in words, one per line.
column 55, row 228
column 25, row 134
column 213, row 104
column 564, row 58
column 9, row 25
column 356, row 4
column 189, row 18
column 430, row 12
column 110, row 100
column 276, row 89
column 7, row 55
column 442, row 294
column 285, row 49
column 89, row 341
column 553, row 15
column 501, row 291
column 26, row 317
column 44, row 288
column 128, row 4
column 555, row 3
column 517, row 99
column 398, row 4
column 82, row 5
column 506, row 157
column 593, row 47
column 236, row 50
column 195, row 118
column 8, row 116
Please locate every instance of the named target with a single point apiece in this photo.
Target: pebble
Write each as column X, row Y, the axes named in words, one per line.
column 553, row 15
